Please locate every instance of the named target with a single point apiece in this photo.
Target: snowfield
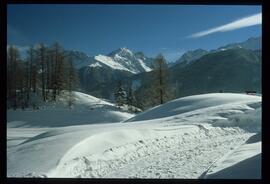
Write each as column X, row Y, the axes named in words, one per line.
column 203, row 136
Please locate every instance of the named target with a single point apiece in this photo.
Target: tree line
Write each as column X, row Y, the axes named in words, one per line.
column 41, row 76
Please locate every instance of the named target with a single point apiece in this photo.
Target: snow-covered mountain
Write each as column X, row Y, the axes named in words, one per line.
column 120, row 59
column 100, row 73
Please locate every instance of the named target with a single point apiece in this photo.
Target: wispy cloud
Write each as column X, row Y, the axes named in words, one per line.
column 237, row 24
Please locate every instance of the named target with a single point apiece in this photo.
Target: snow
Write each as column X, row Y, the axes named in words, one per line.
column 86, row 110
column 124, row 59
column 197, row 102
column 111, row 63
column 95, row 65
column 146, row 68
column 126, row 50
column 242, row 163
column 184, row 138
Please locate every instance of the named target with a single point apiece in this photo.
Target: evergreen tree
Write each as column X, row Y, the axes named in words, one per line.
column 130, row 98
column 120, row 95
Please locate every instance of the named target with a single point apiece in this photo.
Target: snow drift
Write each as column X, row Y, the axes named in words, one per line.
column 179, row 139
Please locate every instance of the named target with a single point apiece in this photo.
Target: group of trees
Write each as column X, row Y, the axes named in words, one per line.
column 157, row 92
column 41, row 76
column 125, row 96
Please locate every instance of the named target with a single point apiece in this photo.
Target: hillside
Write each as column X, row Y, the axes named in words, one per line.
column 86, row 110
column 180, row 139
column 234, row 70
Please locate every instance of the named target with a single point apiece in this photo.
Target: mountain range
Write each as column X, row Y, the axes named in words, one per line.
column 253, row 43
column 235, row 67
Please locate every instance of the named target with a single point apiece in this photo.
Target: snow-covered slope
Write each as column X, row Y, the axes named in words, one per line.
column 193, row 103
column 180, row 139
column 86, row 110
column 243, row 162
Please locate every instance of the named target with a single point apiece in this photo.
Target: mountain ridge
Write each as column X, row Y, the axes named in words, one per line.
column 252, row 43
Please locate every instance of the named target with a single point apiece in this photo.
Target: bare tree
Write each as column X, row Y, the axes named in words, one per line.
column 160, row 80
column 71, row 82
column 12, row 77
column 29, row 62
column 42, row 53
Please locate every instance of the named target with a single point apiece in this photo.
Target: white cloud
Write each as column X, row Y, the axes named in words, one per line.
column 238, row 24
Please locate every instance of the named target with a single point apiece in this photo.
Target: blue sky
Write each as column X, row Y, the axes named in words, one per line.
column 100, row 29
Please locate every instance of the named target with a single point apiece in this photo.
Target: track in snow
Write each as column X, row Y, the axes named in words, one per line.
column 180, row 155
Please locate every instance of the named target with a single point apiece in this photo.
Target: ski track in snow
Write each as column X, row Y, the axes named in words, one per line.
column 172, row 156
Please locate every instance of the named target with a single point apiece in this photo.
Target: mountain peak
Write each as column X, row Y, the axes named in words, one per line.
column 123, row 51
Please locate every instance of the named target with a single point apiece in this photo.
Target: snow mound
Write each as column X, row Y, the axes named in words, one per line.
column 250, row 121
column 192, row 103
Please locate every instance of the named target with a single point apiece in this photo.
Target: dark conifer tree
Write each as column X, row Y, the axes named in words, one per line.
column 120, row 95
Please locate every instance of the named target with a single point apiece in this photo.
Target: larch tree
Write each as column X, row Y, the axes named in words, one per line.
column 42, row 57
column 160, row 80
column 12, row 78
column 29, row 62
column 72, row 81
